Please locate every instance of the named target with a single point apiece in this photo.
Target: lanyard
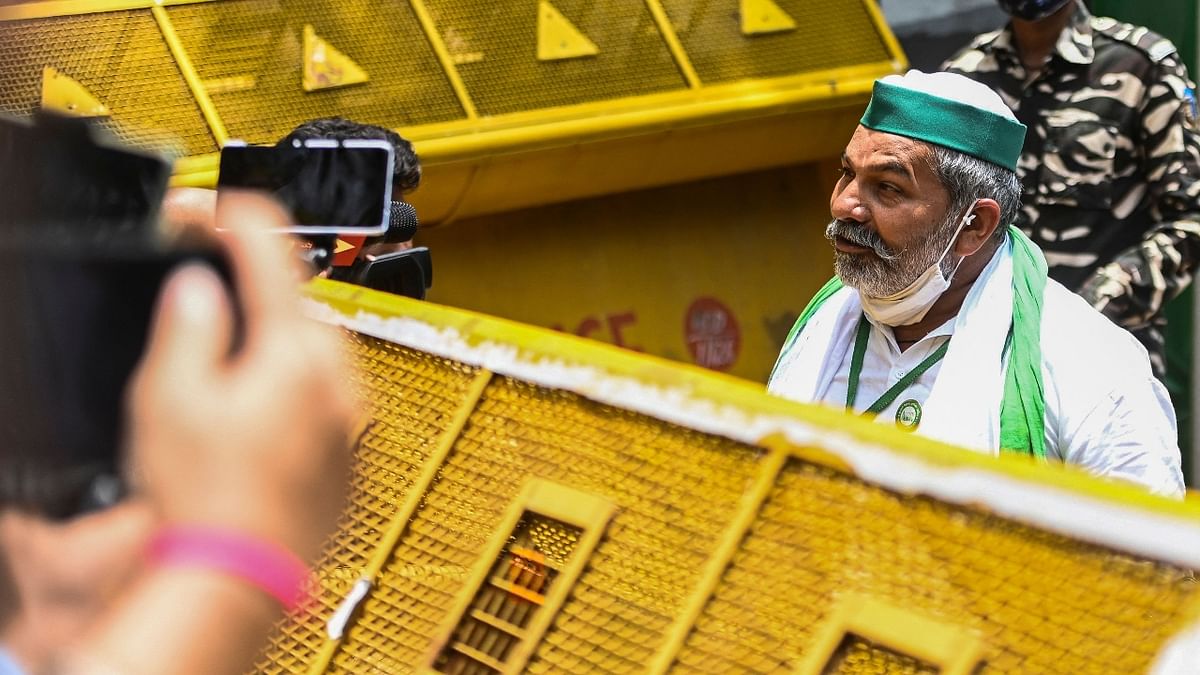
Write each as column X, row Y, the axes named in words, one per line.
column 856, row 365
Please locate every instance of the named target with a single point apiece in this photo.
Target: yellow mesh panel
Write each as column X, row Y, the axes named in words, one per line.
column 1044, row 603
column 412, row 397
column 495, row 46
column 638, row 576
column 250, row 54
column 857, row 656
column 829, row 34
column 1038, row 602
column 121, row 58
column 549, row 537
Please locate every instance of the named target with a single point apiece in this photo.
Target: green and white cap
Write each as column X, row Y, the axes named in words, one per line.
column 949, row 110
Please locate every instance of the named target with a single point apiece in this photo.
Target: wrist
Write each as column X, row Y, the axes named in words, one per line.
column 272, row 520
column 148, row 632
column 252, row 561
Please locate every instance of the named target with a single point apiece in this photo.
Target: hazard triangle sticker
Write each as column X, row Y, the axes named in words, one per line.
column 762, row 17
column 65, row 95
column 558, row 38
column 327, row 68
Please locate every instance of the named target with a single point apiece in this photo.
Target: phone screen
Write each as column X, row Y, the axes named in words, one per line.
column 329, row 186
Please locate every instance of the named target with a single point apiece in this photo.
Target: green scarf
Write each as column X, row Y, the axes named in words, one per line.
column 1023, row 410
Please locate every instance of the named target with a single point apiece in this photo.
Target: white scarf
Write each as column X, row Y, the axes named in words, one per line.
column 964, row 404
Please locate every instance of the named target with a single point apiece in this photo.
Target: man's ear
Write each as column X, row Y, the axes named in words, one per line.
column 980, row 229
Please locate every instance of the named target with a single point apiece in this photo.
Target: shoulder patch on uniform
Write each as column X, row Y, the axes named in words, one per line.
column 1156, row 47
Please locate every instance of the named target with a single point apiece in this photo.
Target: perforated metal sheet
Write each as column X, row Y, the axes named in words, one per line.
column 495, row 45
column 1040, row 602
column 638, row 577
column 250, row 55
column 412, row 397
column 1043, row 603
column 829, row 33
column 121, row 58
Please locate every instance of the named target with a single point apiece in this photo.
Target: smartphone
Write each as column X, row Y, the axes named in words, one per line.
column 328, row 186
column 81, row 266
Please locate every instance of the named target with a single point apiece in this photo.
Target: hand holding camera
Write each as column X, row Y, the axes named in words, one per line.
column 266, row 425
column 236, row 438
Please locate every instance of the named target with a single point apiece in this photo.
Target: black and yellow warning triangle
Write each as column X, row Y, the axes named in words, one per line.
column 760, row 17
column 558, row 38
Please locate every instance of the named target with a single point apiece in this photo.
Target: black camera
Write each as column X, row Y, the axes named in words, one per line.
column 82, row 260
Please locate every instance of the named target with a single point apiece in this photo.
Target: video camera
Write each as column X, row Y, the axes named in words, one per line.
column 82, row 260
column 339, row 193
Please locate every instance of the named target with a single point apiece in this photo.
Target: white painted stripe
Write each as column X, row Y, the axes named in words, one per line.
column 335, row 628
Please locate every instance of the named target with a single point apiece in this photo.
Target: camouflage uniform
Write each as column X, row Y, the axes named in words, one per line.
column 1111, row 164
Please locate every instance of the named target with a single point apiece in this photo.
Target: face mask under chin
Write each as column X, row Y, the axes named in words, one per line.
column 912, row 302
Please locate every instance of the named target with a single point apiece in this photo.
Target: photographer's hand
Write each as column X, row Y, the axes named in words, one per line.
column 253, row 442
column 257, row 438
column 185, row 208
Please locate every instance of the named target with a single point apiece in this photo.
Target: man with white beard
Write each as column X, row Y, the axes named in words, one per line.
column 941, row 319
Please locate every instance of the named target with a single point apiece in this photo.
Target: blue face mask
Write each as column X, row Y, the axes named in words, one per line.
column 1032, row 10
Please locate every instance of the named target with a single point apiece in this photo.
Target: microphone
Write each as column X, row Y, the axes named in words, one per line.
column 402, row 223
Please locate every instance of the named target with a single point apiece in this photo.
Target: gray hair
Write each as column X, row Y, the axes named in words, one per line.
column 967, row 178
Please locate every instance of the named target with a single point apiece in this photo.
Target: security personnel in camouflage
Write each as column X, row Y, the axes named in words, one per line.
column 1111, row 163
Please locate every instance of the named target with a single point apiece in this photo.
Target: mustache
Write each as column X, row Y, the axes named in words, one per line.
column 859, row 235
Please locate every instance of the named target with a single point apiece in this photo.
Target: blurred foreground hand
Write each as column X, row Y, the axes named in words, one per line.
column 251, row 441
column 257, row 438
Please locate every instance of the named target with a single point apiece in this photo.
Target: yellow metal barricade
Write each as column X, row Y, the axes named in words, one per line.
column 729, row 531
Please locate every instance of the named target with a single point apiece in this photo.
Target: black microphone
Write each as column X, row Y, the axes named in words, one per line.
column 402, row 223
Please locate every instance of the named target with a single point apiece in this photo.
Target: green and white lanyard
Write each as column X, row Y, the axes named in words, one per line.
column 856, row 366
column 1023, row 408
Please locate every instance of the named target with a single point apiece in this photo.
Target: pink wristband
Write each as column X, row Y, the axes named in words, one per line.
column 271, row 568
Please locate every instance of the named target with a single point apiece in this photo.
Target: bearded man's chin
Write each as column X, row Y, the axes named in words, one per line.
column 864, row 273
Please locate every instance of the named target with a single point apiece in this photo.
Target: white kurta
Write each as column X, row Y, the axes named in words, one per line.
column 1105, row 411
